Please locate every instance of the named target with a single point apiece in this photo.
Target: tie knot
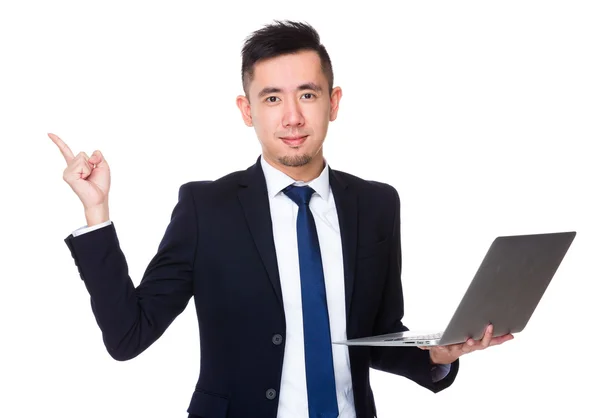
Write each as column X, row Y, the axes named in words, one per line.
column 299, row 194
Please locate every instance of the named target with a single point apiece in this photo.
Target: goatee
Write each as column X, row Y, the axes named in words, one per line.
column 295, row 161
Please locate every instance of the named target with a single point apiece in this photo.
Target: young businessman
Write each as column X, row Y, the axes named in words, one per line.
column 286, row 256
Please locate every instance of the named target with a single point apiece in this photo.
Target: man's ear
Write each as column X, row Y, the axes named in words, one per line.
column 334, row 102
column 244, row 105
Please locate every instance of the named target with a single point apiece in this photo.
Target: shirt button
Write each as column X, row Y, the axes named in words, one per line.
column 271, row 393
column 277, row 339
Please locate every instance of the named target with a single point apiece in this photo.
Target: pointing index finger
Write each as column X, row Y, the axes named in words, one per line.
column 64, row 148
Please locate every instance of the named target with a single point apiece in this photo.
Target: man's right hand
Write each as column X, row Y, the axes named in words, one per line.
column 89, row 177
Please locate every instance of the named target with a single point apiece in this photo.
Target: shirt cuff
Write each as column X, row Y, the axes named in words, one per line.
column 86, row 229
column 440, row 371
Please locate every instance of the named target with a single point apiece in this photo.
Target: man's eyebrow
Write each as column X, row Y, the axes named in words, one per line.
column 268, row 90
column 309, row 86
column 305, row 86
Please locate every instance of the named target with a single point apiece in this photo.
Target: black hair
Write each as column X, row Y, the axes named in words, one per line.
column 280, row 38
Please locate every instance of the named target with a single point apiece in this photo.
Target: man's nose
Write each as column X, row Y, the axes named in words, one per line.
column 293, row 115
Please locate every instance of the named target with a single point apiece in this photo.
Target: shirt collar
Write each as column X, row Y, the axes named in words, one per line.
column 277, row 180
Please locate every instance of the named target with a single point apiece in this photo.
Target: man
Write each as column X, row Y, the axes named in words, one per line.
column 286, row 256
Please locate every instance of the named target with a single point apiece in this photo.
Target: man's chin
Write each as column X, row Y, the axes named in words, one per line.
column 294, row 160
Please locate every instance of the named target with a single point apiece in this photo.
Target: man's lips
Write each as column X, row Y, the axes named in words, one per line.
column 294, row 140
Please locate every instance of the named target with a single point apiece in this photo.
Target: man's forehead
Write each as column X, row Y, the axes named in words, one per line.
column 288, row 73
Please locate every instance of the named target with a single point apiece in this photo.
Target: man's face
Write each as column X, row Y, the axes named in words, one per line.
column 290, row 107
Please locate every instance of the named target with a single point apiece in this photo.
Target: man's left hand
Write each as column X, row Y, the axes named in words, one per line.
column 446, row 354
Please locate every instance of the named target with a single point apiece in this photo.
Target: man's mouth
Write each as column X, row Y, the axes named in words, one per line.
column 294, row 141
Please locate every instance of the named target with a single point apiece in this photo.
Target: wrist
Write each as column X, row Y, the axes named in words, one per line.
column 433, row 360
column 96, row 215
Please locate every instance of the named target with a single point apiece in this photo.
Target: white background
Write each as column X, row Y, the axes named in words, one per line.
column 484, row 115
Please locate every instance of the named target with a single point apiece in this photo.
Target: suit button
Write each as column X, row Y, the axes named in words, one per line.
column 271, row 393
column 277, row 339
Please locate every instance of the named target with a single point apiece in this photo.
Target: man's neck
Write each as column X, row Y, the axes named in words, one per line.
column 304, row 173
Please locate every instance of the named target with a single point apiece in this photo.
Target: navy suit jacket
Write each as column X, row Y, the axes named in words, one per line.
column 219, row 249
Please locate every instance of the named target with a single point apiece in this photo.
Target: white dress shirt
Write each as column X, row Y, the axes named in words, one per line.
column 293, row 398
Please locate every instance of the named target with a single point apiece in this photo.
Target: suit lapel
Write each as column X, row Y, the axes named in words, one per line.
column 255, row 203
column 347, row 210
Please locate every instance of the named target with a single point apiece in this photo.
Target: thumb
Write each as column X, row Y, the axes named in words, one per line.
column 97, row 158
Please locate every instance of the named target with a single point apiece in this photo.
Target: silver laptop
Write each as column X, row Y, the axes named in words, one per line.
column 505, row 291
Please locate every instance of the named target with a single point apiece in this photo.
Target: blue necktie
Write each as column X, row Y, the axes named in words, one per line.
column 320, row 378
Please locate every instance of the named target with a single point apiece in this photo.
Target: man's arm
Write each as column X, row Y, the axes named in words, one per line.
column 131, row 318
column 410, row 362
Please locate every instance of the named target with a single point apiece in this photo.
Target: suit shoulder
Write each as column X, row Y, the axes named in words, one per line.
column 227, row 182
column 367, row 186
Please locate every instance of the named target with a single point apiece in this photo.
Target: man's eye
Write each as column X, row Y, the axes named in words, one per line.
column 308, row 94
column 272, row 97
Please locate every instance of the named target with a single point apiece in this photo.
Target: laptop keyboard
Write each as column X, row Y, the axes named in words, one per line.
column 418, row 337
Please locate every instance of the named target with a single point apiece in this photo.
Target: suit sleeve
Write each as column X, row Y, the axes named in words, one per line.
column 132, row 318
column 410, row 362
column 86, row 229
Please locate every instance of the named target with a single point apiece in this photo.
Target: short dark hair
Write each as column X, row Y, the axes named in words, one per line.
column 280, row 38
